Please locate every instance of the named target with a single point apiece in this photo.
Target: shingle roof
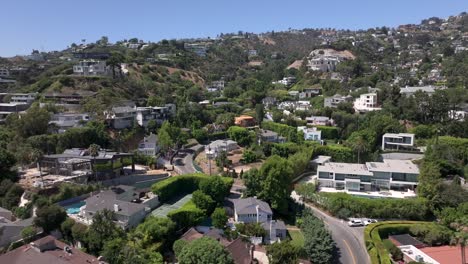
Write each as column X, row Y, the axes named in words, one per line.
column 53, row 252
column 107, row 200
column 248, row 206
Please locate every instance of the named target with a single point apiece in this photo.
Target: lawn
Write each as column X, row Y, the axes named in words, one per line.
column 163, row 210
column 297, row 238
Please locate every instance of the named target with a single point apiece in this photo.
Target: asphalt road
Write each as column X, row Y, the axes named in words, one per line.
column 184, row 160
column 349, row 240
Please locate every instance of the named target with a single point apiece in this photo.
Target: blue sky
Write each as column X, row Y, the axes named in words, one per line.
column 54, row 24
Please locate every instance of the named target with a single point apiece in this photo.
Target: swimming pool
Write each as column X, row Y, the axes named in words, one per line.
column 74, row 208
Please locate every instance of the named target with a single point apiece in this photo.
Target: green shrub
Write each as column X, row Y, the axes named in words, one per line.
column 187, row 216
column 180, row 185
column 338, row 153
column 329, row 132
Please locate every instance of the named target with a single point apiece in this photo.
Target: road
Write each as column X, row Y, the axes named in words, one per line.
column 183, row 162
column 349, row 240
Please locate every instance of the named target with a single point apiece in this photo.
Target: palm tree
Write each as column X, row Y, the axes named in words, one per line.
column 93, row 150
column 461, row 238
column 360, row 146
column 36, row 157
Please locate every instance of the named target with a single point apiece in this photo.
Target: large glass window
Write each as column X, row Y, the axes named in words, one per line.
column 353, row 186
column 339, row 177
column 325, row 175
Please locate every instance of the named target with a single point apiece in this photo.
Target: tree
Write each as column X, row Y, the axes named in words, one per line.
column 66, row 229
column 225, row 119
column 241, row 135
column 94, row 152
column 204, row 250
column 219, row 218
column 170, row 136
column 79, row 232
column 50, row 217
column 203, row 201
column 7, row 161
column 102, row 230
column 259, row 113
column 155, row 232
column 36, row 157
column 276, row 186
column 216, row 188
column 284, row 252
column 362, row 142
column 178, row 246
column 318, row 243
column 429, row 180
column 114, row 61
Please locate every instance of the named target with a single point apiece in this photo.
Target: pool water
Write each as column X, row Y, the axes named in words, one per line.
column 74, row 208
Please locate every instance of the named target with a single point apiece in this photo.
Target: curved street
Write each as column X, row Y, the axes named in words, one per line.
column 349, row 240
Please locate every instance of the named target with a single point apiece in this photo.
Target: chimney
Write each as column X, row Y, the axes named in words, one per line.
column 256, row 209
column 116, row 208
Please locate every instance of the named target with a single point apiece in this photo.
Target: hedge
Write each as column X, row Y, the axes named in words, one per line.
column 186, row 216
column 286, row 131
column 337, row 152
column 383, row 208
column 375, row 233
column 180, row 185
column 328, row 132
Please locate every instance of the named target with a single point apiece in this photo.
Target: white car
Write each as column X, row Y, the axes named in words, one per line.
column 369, row 221
column 355, row 222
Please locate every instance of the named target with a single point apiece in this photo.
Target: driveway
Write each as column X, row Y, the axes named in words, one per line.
column 183, row 162
column 349, row 240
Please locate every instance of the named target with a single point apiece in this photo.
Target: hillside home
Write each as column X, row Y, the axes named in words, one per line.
column 244, row 121
column 11, row 231
column 410, row 91
column 270, row 136
column 335, row 100
column 319, row 121
column 4, row 73
column 90, row 68
column 149, row 145
column 311, row 133
column 386, row 175
column 218, row 146
column 366, row 103
column 286, row 81
column 392, row 141
column 310, row 92
column 65, row 121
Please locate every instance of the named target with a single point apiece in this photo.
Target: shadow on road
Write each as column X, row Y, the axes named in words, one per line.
column 337, row 255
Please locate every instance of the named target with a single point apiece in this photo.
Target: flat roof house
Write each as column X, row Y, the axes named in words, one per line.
column 319, row 121
column 386, row 175
column 366, row 103
column 311, row 133
column 335, row 100
column 65, row 121
column 397, row 141
column 270, row 136
column 410, row 91
column 90, row 68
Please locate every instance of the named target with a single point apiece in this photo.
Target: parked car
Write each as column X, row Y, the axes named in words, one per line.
column 355, row 222
column 369, row 221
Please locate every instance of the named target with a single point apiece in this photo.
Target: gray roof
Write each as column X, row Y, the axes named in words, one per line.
column 317, row 118
column 401, row 156
column 275, row 224
column 248, row 206
column 107, row 200
column 268, row 133
column 426, row 89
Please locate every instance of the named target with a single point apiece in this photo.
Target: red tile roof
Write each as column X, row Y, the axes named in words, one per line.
column 445, row 254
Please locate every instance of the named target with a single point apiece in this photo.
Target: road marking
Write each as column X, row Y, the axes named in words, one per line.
column 350, row 251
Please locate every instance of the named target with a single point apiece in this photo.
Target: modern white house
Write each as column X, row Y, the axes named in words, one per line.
column 90, row 68
column 366, row 103
column 410, row 91
column 335, row 100
column 387, row 175
column 218, row 146
column 149, row 145
column 4, row 72
column 392, row 141
column 124, row 116
column 311, row 133
column 65, row 121
column 319, row 121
